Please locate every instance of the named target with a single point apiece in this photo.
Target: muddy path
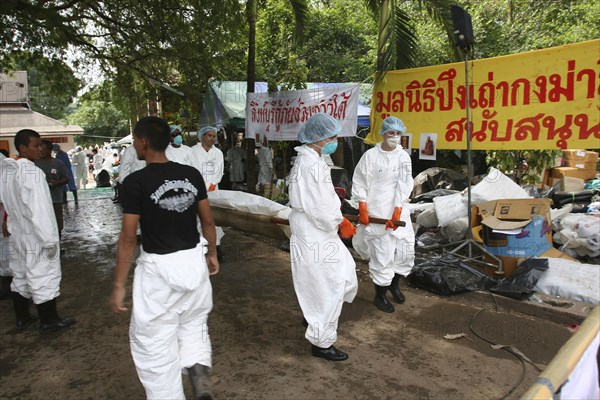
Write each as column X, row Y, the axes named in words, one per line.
column 259, row 351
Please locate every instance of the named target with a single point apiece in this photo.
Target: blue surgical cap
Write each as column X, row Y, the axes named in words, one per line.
column 318, row 127
column 392, row 124
column 205, row 129
column 175, row 128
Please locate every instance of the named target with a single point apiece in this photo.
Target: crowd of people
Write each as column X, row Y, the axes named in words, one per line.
column 163, row 187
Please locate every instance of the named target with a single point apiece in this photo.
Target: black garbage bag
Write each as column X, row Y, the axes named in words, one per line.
column 520, row 285
column 448, row 275
column 429, row 196
column 438, row 178
column 562, row 198
column 103, row 179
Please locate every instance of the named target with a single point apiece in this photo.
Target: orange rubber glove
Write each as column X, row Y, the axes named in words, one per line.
column 389, row 224
column 347, row 229
column 363, row 213
column 212, row 187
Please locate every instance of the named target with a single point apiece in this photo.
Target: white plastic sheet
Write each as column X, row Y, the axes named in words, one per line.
column 571, row 280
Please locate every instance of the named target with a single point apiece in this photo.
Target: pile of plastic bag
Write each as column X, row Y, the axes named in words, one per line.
column 579, row 235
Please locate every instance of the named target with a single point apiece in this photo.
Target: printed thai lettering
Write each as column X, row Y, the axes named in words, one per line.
column 487, row 92
column 445, row 89
column 564, row 132
column 455, row 130
column 381, row 104
column 557, row 90
column 581, row 120
column 591, row 81
column 398, row 101
column 480, row 135
column 528, row 127
column 515, row 91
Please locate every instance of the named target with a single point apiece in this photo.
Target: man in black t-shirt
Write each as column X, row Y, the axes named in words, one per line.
column 172, row 294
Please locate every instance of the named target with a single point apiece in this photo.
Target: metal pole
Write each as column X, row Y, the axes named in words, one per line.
column 469, row 163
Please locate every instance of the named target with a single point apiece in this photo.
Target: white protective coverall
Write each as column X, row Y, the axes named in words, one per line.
column 34, row 251
column 182, row 154
column 129, row 163
column 383, row 179
column 172, row 295
column 265, row 164
column 236, row 157
column 210, row 164
column 323, row 269
column 80, row 162
column 4, row 250
column 212, row 167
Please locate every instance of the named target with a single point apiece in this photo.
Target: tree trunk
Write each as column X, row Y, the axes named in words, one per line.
column 251, row 77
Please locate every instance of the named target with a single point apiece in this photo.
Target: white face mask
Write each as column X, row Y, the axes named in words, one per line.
column 392, row 141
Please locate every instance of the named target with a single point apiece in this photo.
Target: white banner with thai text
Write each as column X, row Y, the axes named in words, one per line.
column 279, row 115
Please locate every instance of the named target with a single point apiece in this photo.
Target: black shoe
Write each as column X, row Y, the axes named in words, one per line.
column 381, row 301
column 330, row 353
column 394, row 289
column 56, row 325
column 49, row 319
column 23, row 324
column 5, row 291
column 219, row 254
column 200, row 380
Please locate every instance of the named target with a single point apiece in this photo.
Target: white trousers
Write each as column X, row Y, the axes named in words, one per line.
column 35, row 268
column 172, row 297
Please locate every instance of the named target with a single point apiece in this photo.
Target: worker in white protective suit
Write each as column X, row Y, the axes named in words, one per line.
column 265, row 162
column 5, row 273
column 323, row 270
column 129, row 164
column 35, row 250
column 381, row 184
column 80, row 162
column 177, row 151
column 172, row 294
column 208, row 159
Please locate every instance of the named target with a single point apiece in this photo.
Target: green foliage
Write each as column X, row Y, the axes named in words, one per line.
column 99, row 116
column 52, row 85
column 525, row 166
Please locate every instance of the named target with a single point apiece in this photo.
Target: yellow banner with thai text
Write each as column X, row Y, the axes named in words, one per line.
column 543, row 99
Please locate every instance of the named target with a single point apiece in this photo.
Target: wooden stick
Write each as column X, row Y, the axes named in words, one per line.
column 351, row 218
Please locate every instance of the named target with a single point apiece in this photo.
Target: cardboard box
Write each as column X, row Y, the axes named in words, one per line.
column 530, row 218
column 580, row 156
column 561, row 172
column 569, row 184
column 511, row 264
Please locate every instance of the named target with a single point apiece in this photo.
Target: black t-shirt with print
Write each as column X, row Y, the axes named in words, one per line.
column 165, row 196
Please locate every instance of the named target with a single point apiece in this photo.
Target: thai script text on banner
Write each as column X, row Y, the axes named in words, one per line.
column 280, row 115
column 543, row 99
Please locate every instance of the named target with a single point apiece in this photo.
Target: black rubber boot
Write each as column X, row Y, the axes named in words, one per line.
column 49, row 319
column 330, row 353
column 5, row 292
column 394, row 289
column 200, row 379
column 75, row 196
column 381, row 301
column 21, row 306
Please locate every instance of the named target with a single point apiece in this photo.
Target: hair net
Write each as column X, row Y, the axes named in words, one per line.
column 392, row 124
column 56, row 147
column 174, row 128
column 205, row 129
column 79, row 148
column 318, row 127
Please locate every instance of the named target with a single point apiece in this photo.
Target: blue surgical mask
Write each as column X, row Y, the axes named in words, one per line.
column 329, row 148
column 178, row 140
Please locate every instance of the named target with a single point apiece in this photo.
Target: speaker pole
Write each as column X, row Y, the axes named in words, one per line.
column 464, row 36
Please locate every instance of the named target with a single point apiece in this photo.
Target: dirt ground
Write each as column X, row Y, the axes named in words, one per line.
column 259, row 350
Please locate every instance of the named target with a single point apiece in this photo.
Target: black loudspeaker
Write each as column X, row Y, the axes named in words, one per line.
column 463, row 28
